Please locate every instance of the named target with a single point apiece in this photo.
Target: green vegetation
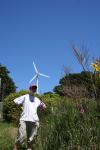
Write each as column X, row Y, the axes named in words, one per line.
column 66, row 124
column 67, row 128
column 79, row 85
column 7, row 134
column 7, row 84
column 11, row 110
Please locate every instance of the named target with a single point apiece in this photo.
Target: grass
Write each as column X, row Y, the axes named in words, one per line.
column 7, row 134
column 62, row 129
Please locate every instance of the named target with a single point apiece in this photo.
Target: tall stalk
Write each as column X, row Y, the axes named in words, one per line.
column 83, row 58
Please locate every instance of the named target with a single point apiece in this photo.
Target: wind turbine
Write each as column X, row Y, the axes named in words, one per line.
column 36, row 76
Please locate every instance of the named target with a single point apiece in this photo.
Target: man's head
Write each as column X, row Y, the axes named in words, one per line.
column 33, row 88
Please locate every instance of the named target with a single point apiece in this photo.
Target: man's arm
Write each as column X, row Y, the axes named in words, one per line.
column 19, row 100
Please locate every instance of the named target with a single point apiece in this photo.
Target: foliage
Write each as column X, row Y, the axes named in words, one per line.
column 82, row 85
column 64, row 124
column 11, row 110
column 50, row 99
column 78, row 85
column 7, row 84
column 83, row 59
column 7, row 135
column 65, row 127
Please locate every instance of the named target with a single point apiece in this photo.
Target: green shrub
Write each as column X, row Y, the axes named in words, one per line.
column 51, row 101
column 11, row 110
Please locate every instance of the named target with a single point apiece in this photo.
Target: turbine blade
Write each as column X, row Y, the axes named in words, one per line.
column 33, row 78
column 35, row 67
column 44, row 75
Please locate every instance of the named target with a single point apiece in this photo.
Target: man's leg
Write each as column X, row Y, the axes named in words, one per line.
column 21, row 135
column 31, row 128
column 16, row 146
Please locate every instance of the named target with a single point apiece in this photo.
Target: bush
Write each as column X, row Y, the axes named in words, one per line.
column 11, row 110
column 51, row 100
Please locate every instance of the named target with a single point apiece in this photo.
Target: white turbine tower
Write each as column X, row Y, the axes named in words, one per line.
column 36, row 76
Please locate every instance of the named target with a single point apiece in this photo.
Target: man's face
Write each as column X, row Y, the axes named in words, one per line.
column 32, row 91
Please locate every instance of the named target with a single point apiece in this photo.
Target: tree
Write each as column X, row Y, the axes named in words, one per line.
column 7, row 83
column 83, row 59
column 77, row 85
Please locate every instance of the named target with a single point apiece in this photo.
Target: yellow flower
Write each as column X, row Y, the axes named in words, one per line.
column 96, row 66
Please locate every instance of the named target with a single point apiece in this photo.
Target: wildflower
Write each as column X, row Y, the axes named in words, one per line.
column 96, row 65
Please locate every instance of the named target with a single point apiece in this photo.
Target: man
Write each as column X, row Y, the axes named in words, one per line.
column 29, row 121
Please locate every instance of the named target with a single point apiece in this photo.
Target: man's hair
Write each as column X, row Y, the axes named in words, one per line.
column 33, row 87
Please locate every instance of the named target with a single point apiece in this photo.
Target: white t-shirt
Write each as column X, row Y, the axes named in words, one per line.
column 30, row 105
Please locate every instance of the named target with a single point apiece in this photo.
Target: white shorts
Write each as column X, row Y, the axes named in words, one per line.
column 26, row 130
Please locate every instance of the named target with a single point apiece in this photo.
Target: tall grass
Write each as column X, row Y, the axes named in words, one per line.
column 7, row 133
column 64, row 128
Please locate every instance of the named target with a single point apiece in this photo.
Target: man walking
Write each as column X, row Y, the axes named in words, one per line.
column 29, row 121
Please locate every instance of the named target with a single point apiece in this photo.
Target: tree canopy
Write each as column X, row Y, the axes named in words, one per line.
column 7, row 84
column 78, row 85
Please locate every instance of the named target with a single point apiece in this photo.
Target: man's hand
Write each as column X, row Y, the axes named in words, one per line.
column 42, row 105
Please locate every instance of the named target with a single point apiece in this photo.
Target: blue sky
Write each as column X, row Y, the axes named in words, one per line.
column 43, row 31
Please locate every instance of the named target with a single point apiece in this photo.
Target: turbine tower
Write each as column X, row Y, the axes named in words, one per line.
column 36, row 76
